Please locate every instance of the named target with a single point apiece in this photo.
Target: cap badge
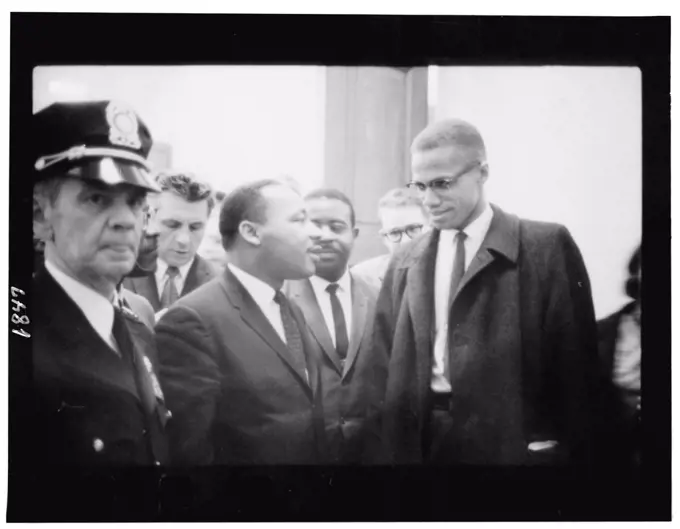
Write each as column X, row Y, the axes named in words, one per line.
column 123, row 126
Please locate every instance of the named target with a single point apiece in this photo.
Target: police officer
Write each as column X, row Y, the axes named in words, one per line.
column 96, row 396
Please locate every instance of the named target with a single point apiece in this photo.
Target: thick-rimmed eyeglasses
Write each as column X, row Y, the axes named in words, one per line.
column 440, row 185
column 411, row 231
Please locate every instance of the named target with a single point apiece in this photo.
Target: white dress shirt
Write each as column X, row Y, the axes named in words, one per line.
column 263, row 295
column 344, row 294
column 162, row 277
column 446, row 254
column 97, row 309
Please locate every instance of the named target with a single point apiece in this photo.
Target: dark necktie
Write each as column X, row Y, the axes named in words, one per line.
column 170, row 294
column 291, row 329
column 341, row 340
column 458, row 264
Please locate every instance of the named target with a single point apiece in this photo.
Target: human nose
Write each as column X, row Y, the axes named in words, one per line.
column 315, row 233
column 430, row 198
column 182, row 235
column 124, row 215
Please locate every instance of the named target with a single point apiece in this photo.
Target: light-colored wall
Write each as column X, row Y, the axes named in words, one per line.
column 229, row 124
column 564, row 144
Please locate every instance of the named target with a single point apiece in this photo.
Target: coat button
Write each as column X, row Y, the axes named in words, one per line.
column 157, row 463
column 98, row 444
column 168, row 414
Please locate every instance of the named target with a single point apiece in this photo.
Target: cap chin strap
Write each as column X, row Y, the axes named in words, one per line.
column 81, row 151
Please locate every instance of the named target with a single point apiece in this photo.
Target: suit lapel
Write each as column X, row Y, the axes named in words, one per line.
column 359, row 316
column 420, row 290
column 258, row 322
column 502, row 240
column 146, row 286
column 303, row 294
column 194, row 276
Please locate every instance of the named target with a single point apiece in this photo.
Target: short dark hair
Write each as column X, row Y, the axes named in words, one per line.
column 328, row 192
column 243, row 203
column 633, row 282
column 187, row 186
column 450, row 132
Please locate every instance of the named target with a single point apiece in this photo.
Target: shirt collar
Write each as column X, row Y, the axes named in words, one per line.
column 97, row 309
column 162, row 268
column 261, row 292
column 319, row 284
column 477, row 229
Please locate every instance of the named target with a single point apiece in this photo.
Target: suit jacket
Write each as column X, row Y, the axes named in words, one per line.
column 522, row 349
column 201, row 272
column 90, row 406
column 353, row 388
column 140, row 306
column 238, row 396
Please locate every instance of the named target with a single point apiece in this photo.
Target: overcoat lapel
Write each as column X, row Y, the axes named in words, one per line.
column 420, row 296
column 502, row 240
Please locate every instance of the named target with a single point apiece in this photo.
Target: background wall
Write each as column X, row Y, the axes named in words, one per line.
column 564, row 144
column 229, row 124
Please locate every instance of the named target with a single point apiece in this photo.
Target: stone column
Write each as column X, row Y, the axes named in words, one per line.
column 372, row 115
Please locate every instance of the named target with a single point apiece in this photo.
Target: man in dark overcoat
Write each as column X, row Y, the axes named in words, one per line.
column 488, row 325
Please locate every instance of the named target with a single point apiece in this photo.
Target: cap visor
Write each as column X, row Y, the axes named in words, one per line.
column 113, row 171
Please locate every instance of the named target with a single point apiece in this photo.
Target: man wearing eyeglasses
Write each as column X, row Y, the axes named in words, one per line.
column 488, row 322
column 403, row 218
column 179, row 214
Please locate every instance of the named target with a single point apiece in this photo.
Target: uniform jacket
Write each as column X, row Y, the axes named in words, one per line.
column 201, row 272
column 92, row 407
column 522, row 346
column 353, row 388
column 237, row 395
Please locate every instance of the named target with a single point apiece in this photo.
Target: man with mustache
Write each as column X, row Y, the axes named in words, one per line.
column 237, row 363
column 96, row 399
column 338, row 307
column 180, row 214
column 488, row 324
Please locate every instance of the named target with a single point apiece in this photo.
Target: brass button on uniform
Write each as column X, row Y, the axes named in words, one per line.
column 98, row 444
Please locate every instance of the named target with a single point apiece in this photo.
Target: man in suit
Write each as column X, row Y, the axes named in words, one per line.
column 338, row 307
column 180, row 215
column 238, row 366
column 96, row 399
column 488, row 323
column 402, row 218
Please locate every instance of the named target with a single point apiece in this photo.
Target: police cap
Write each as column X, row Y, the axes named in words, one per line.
column 97, row 140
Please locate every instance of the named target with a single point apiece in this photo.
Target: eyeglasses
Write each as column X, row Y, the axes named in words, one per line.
column 439, row 185
column 412, row 231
